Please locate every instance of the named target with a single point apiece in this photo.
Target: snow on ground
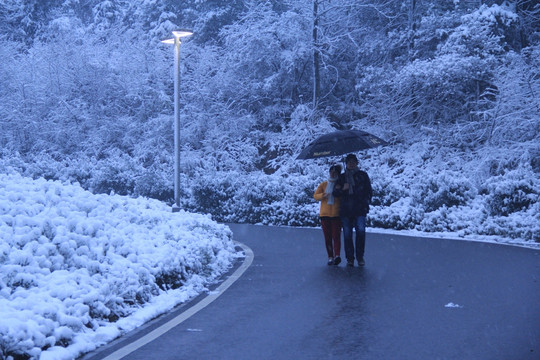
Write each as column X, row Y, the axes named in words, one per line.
column 77, row 269
column 458, row 236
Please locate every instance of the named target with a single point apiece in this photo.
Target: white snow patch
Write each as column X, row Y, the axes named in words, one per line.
column 78, row 270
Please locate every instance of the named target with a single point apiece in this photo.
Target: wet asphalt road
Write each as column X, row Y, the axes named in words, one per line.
column 290, row 305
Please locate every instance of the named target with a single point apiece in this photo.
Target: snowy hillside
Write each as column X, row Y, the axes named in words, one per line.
column 77, row 269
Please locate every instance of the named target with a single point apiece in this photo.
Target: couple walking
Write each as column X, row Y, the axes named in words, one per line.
column 345, row 202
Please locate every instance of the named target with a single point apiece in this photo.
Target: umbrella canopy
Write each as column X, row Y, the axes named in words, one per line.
column 339, row 143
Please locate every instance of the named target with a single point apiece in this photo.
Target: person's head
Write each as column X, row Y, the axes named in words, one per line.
column 335, row 170
column 351, row 161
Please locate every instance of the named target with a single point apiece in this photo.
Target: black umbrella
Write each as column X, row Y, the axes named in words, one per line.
column 339, row 143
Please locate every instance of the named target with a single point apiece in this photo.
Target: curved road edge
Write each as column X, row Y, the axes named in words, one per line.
column 213, row 295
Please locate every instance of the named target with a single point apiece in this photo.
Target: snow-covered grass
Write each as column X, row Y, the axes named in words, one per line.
column 78, row 270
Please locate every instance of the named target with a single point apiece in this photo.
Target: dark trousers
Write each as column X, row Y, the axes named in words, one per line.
column 359, row 225
column 331, row 227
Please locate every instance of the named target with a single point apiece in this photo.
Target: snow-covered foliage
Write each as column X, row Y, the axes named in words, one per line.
column 413, row 190
column 252, row 198
column 87, row 97
column 78, row 270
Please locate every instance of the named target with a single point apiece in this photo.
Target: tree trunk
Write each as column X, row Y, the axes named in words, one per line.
column 316, row 65
column 412, row 27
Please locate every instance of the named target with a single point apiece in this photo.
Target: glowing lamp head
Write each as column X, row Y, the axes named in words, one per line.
column 178, row 34
column 182, row 33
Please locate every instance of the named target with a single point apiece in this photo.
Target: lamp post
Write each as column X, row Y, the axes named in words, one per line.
column 176, row 42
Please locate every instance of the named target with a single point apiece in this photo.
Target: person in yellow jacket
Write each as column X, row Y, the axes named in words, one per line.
column 329, row 215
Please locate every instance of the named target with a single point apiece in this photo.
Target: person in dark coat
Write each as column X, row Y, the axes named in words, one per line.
column 353, row 188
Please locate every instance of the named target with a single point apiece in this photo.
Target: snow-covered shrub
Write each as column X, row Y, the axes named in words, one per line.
column 512, row 192
column 461, row 220
column 257, row 199
column 74, row 265
column 400, row 215
column 275, row 199
column 115, row 173
column 515, row 225
column 483, row 32
column 385, row 191
column 443, row 190
column 156, row 183
column 296, row 206
column 255, row 195
column 213, row 196
column 412, row 190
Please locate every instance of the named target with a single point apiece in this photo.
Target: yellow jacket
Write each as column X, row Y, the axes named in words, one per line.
column 326, row 209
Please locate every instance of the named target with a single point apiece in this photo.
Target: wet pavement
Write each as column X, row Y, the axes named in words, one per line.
column 416, row 298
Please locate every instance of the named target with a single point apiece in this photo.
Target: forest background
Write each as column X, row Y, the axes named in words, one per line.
column 86, row 96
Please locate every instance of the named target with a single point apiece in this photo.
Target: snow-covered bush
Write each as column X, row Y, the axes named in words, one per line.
column 293, row 205
column 400, row 215
column 484, row 32
column 115, row 173
column 76, row 268
column 516, row 225
column 213, row 196
column 512, row 192
column 385, row 191
column 447, row 189
column 257, row 199
column 155, row 182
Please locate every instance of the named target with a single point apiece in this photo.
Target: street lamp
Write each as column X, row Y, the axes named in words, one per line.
column 176, row 42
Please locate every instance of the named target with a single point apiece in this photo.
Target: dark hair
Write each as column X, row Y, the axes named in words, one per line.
column 351, row 157
column 336, row 168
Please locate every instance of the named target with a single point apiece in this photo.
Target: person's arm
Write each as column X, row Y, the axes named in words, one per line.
column 338, row 188
column 369, row 188
column 320, row 194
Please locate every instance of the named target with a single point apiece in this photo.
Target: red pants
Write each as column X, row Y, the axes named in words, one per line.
column 331, row 227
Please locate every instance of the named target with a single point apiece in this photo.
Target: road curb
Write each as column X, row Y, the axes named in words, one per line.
column 213, row 295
